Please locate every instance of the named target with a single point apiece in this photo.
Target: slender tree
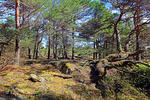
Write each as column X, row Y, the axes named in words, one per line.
column 17, row 44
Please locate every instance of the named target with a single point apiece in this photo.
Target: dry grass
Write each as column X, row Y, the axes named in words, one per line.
column 11, row 68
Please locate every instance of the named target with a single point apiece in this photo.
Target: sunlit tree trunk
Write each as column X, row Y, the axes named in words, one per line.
column 17, row 42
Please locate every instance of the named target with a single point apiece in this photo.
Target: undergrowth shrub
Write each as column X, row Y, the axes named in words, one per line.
column 141, row 78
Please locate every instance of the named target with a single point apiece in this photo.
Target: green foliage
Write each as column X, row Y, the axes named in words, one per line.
column 83, row 51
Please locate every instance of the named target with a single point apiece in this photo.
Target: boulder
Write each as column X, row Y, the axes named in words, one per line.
column 35, row 78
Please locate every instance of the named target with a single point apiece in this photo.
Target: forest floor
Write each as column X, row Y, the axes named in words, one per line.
column 64, row 80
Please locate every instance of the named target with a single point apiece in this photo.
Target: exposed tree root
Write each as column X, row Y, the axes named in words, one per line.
column 119, row 61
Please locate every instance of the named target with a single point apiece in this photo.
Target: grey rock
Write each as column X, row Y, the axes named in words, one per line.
column 35, row 78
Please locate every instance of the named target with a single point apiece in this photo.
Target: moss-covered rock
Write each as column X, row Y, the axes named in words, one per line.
column 68, row 68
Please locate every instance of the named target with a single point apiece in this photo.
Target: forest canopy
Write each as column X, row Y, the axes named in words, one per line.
column 58, row 28
column 102, row 41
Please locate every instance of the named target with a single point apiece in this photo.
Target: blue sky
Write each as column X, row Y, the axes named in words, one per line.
column 108, row 5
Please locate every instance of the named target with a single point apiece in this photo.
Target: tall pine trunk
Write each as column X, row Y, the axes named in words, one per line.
column 49, row 39
column 17, row 41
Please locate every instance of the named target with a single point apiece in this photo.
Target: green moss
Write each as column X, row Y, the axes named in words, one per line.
column 71, row 66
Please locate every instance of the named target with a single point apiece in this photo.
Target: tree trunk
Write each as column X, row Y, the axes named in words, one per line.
column 0, row 53
column 73, row 41
column 119, row 47
column 49, row 39
column 49, row 47
column 53, row 46
column 38, row 44
column 105, row 47
column 37, row 52
column 64, row 43
column 17, row 42
column 34, row 52
column 35, row 46
column 56, row 49
column 53, row 40
column 137, row 23
column 29, row 53
column 65, row 52
column 73, row 45
column 1, row 50
column 138, row 57
column 94, row 49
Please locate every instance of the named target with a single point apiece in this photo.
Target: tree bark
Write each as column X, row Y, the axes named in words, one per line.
column 1, row 49
column 73, row 45
column 56, row 49
column 35, row 46
column 49, row 39
column 64, row 43
column 29, row 53
column 0, row 53
column 17, row 42
column 138, row 57
column 38, row 44
column 37, row 52
column 119, row 47
column 53, row 40
column 137, row 23
column 94, row 49
column 73, row 37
